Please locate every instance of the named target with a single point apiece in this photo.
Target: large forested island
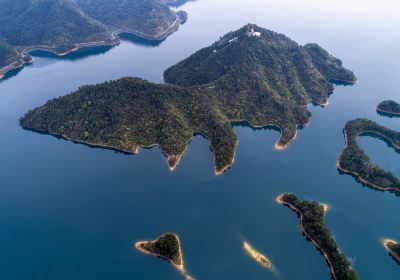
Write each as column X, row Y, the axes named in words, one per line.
column 62, row 26
column 167, row 247
column 389, row 108
column 252, row 75
column 354, row 161
column 314, row 228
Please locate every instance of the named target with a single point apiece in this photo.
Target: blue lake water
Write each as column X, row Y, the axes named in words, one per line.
column 68, row 211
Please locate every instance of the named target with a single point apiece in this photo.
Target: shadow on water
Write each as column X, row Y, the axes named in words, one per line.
column 387, row 142
column 75, row 55
column 91, row 146
column 364, row 185
column 139, row 40
column 12, row 73
column 246, row 124
column 341, row 83
column 393, row 257
column 388, row 115
column 178, row 3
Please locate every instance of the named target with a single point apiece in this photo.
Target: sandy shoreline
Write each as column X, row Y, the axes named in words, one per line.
column 179, row 267
column 391, row 252
column 257, row 256
column 328, row 260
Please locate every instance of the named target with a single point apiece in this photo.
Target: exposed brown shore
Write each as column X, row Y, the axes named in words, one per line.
column 328, row 260
column 257, row 256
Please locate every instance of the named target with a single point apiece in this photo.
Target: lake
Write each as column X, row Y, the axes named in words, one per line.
column 68, row 211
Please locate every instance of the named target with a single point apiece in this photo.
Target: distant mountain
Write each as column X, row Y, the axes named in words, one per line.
column 251, row 75
column 61, row 26
column 149, row 19
column 58, row 24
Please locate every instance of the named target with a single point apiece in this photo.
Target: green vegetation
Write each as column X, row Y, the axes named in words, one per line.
column 389, row 107
column 61, row 26
column 314, row 227
column 354, row 161
column 58, row 24
column 167, row 247
column 8, row 54
column 252, row 75
column 150, row 19
column 394, row 249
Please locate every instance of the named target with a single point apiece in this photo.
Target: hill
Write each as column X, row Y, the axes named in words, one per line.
column 251, row 75
column 62, row 26
column 58, row 24
column 149, row 19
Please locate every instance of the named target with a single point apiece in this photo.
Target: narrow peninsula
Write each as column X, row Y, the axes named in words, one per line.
column 167, row 247
column 393, row 247
column 251, row 75
column 354, row 161
column 389, row 108
column 314, row 228
column 257, row 256
column 64, row 26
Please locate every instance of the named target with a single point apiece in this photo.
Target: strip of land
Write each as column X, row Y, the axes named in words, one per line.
column 257, row 256
column 314, row 228
column 354, row 161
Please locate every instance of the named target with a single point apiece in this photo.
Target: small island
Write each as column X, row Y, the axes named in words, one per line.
column 257, row 256
column 354, row 161
column 68, row 25
column 314, row 228
column 167, row 247
column 393, row 247
column 389, row 108
column 252, row 75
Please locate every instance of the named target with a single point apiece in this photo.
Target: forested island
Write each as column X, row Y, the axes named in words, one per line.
column 251, row 75
column 354, row 161
column 62, row 26
column 393, row 247
column 314, row 228
column 389, row 108
column 167, row 247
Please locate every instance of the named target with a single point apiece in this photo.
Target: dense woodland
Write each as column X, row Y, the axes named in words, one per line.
column 394, row 248
column 8, row 54
column 389, row 107
column 263, row 80
column 354, row 160
column 60, row 24
column 167, row 246
column 313, row 224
